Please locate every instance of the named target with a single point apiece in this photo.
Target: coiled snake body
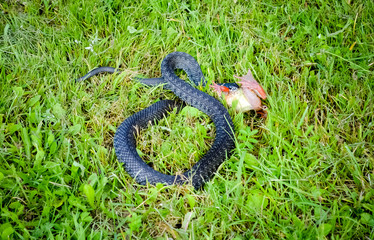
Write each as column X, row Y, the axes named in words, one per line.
column 124, row 139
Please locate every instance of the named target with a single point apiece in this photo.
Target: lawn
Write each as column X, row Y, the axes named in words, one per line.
column 306, row 172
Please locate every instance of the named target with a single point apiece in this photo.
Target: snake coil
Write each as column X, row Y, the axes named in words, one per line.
column 124, row 139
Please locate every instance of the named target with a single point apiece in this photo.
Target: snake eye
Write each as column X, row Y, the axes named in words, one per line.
column 233, row 88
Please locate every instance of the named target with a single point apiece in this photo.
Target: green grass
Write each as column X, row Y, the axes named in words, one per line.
column 304, row 173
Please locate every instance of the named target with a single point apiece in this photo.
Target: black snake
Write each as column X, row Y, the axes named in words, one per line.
column 124, row 139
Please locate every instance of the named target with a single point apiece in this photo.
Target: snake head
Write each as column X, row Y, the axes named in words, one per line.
column 245, row 98
column 249, row 82
column 248, row 96
column 220, row 88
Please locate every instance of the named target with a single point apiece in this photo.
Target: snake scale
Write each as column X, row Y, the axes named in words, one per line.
column 124, row 139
